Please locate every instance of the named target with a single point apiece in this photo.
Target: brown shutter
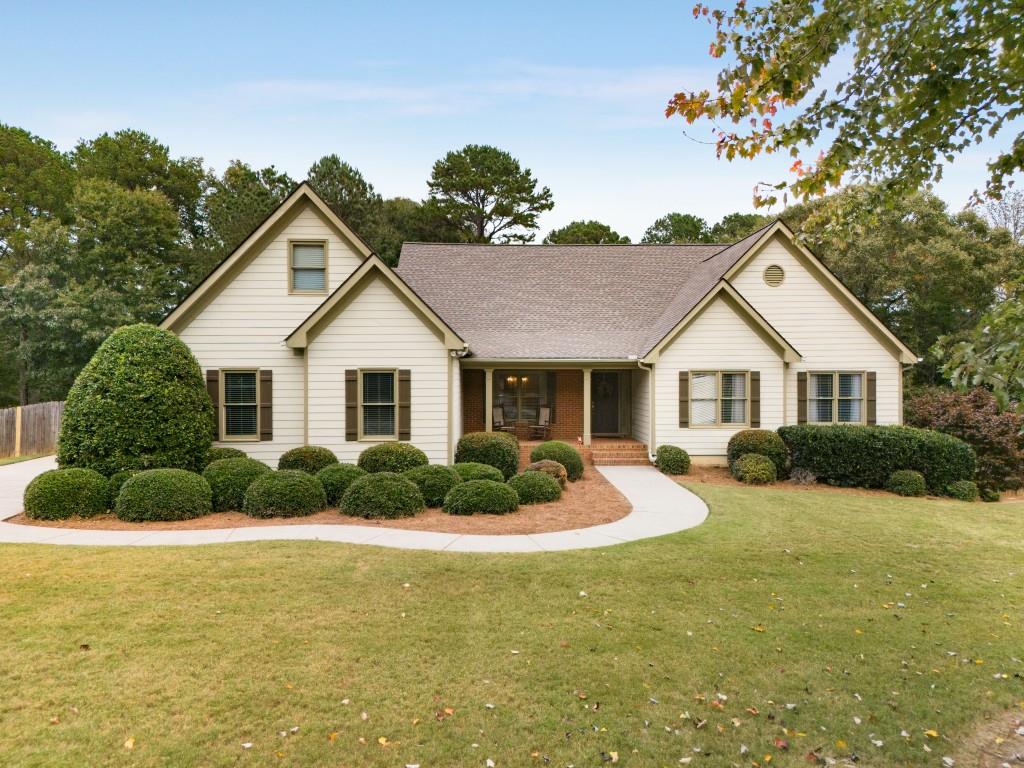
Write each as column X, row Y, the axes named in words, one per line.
column 684, row 399
column 266, row 394
column 404, row 404
column 351, row 405
column 213, row 389
column 801, row 397
column 871, row 398
column 755, row 399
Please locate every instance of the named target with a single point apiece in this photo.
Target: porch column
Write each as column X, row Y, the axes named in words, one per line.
column 586, row 407
column 488, row 399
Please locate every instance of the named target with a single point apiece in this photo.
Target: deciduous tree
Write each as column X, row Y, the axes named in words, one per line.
column 677, row 228
column 588, row 232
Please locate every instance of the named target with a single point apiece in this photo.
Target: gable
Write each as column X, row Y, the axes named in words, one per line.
column 810, row 307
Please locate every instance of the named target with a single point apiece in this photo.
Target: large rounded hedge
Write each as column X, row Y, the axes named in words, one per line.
column 229, row 479
column 564, row 454
column 474, row 470
column 62, row 493
column 307, row 458
column 139, row 403
column 535, row 487
column 382, row 495
column 163, row 494
column 551, row 468
column 434, row 482
column 336, row 479
column 672, row 460
column 496, row 449
column 391, row 457
column 762, row 441
column 285, row 493
column 481, row 496
column 218, row 452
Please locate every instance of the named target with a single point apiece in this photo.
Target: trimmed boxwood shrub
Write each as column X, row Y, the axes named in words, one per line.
column 535, row 487
column 139, row 403
column 474, row 470
column 496, row 449
column 285, row 493
column 62, row 493
column 336, row 479
column 216, row 453
column 672, row 460
column 229, row 479
column 392, row 457
column 906, row 482
column 989, row 494
column 564, row 454
column 861, row 456
column 762, row 441
column 114, row 484
column 307, row 458
column 382, row 495
column 964, row 490
column 754, row 469
column 481, row 496
column 550, row 467
column 434, row 482
column 164, row 494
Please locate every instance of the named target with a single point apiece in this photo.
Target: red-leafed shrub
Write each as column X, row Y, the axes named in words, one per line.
column 975, row 418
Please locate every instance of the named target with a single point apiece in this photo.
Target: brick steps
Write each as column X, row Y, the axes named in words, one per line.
column 635, row 461
column 608, row 453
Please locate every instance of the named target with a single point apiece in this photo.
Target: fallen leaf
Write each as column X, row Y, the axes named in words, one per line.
column 383, row 741
column 129, row 743
column 332, row 736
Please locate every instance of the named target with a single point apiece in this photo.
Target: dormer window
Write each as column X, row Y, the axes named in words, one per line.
column 308, row 267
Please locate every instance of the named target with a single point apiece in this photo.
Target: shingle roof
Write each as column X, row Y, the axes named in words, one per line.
column 587, row 302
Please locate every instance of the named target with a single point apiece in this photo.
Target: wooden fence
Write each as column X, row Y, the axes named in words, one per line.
column 30, row 430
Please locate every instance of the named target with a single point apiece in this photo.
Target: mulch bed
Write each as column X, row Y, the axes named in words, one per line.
column 589, row 501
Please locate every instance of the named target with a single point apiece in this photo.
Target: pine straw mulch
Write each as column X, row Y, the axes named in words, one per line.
column 591, row 500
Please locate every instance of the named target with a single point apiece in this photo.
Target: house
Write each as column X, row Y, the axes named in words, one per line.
column 307, row 337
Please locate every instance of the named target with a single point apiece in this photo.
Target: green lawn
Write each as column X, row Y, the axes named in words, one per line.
column 810, row 609
column 16, row 459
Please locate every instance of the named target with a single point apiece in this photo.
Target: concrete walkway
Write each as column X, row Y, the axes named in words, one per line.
column 660, row 506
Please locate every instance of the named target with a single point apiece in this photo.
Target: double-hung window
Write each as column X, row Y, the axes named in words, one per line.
column 836, row 397
column 240, row 406
column 377, row 405
column 719, row 398
column 308, row 267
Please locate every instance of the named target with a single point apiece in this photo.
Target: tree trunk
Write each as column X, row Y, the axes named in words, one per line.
column 22, row 368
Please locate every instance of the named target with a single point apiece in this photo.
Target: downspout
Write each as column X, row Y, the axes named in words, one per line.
column 651, row 443
column 456, row 355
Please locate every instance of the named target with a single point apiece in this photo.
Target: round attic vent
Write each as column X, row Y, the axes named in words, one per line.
column 774, row 275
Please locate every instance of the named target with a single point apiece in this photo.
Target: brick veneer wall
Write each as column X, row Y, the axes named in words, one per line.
column 472, row 401
column 568, row 421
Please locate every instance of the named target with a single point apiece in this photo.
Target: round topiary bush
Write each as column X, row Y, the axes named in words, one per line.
column 307, row 458
column 114, row 484
column 564, row 454
column 336, row 479
column 382, row 495
column 434, row 482
column 392, row 457
column 964, row 490
column 62, row 493
column 754, row 469
column 474, row 470
column 481, row 496
column 216, row 453
column 496, row 449
column 762, row 441
column 672, row 460
column 906, row 482
column 989, row 494
column 285, row 493
column 535, row 487
column 229, row 479
column 139, row 403
column 549, row 467
column 163, row 494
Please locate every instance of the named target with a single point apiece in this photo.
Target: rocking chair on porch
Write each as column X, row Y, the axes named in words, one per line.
column 498, row 420
column 542, row 429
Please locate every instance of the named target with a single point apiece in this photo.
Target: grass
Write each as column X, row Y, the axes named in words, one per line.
column 16, row 459
column 787, row 603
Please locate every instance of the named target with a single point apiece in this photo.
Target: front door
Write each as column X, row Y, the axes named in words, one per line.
column 604, row 402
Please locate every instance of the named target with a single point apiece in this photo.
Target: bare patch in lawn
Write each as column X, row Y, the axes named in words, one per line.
column 997, row 742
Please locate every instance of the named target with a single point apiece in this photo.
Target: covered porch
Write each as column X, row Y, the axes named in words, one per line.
column 592, row 407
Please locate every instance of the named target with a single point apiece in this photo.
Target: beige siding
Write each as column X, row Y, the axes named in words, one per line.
column 823, row 331
column 377, row 329
column 641, row 410
column 719, row 339
column 245, row 325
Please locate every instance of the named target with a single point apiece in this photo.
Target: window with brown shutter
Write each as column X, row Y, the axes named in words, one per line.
column 755, row 399
column 266, row 396
column 684, row 399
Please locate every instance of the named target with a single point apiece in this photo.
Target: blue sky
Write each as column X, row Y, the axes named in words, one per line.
column 576, row 91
